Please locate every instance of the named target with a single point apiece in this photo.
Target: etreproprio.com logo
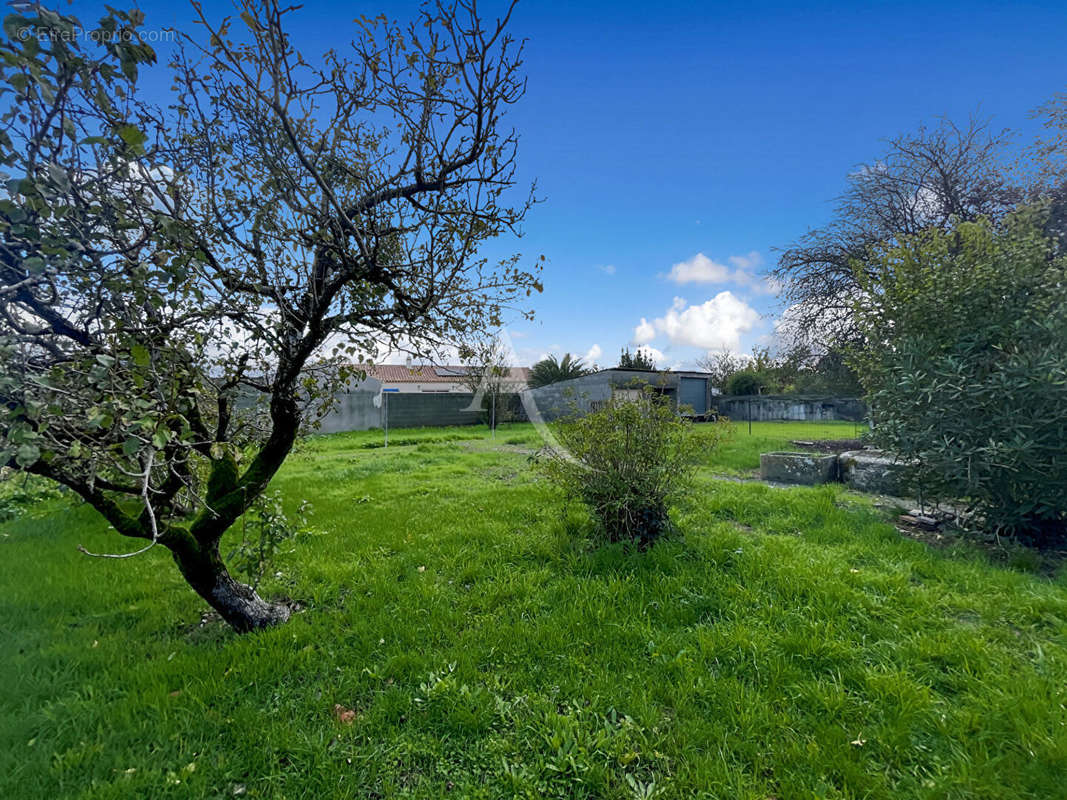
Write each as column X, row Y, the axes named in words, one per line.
column 96, row 36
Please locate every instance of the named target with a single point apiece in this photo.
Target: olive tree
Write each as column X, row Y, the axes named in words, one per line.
column 179, row 285
column 965, row 365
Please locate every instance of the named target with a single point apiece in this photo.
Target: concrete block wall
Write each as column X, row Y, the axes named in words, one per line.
column 768, row 408
column 409, row 410
column 353, row 411
column 356, row 411
column 578, row 395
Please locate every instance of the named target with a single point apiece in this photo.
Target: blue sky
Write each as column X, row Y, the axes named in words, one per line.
column 706, row 134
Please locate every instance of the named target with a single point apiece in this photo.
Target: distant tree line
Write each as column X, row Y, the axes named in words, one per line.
column 796, row 370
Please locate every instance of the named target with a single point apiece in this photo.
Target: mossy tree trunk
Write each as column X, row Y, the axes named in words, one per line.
column 237, row 603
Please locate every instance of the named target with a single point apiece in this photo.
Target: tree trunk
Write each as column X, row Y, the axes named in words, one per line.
column 237, row 603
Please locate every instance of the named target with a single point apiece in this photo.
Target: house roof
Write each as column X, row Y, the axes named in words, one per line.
column 430, row 373
column 695, row 373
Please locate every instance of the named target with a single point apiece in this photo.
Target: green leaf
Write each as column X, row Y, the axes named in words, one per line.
column 14, row 24
column 132, row 135
column 27, row 454
column 99, row 419
column 139, row 354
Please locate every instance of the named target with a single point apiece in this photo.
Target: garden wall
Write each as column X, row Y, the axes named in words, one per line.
column 574, row 396
column 409, row 410
column 797, row 408
column 353, row 411
column 356, row 411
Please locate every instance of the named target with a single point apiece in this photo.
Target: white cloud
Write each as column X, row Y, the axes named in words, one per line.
column 371, row 346
column 386, row 354
column 716, row 324
column 789, row 332
column 747, row 262
column 592, row 354
column 701, row 269
column 644, row 333
column 607, row 269
column 767, row 285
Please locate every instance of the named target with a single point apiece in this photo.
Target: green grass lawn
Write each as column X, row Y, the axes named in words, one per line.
column 787, row 643
column 739, row 454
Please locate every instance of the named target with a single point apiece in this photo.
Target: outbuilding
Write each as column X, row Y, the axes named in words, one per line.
column 689, row 391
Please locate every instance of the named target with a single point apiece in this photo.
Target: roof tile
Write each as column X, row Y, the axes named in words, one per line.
column 400, row 373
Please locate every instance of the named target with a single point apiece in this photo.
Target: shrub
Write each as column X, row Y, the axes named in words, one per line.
column 745, row 382
column 20, row 492
column 626, row 462
column 966, row 368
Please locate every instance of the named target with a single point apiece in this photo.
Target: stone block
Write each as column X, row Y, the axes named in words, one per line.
column 802, row 468
column 875, row 472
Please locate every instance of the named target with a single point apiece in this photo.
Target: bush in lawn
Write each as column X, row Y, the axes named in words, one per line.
column 966, row 368
column 626, row 462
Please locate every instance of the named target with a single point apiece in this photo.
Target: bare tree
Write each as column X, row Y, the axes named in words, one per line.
column 490, row 373
column 162, row 267
column 721, row 366
column 925, row 179
column 1044, row 167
